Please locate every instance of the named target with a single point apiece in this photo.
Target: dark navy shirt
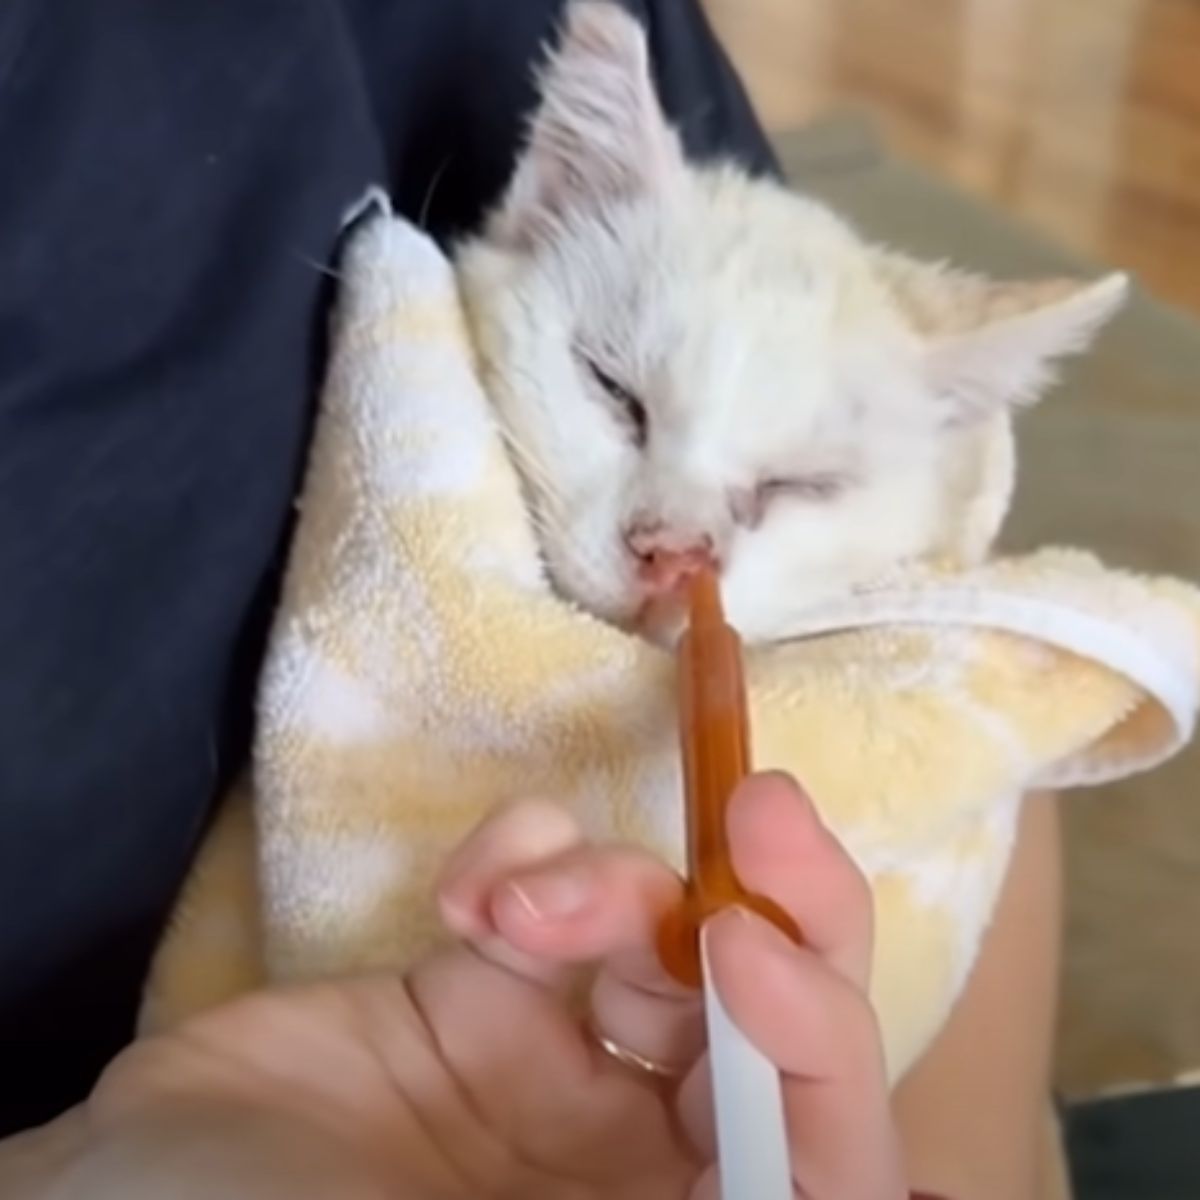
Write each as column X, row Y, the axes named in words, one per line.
column 173, row 177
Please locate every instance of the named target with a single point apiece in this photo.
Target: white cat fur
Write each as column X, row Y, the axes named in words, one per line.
column 764, row 337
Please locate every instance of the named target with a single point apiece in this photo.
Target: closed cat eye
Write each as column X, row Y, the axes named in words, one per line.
column 750, row 505
column 627, row 403
column 805, row 487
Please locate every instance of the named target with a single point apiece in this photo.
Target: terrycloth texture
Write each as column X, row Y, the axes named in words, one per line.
column 421, row 671
column 1108, row 462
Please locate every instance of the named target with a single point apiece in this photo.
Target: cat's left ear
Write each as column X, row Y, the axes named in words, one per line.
column 990, row 344
column 598, row 135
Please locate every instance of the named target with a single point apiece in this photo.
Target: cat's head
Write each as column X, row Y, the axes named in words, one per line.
column 689, row 363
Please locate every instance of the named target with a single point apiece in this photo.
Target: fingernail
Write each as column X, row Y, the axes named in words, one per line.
column 734, row 916
column 735, row 913
column 552, row 896
column 751, row 925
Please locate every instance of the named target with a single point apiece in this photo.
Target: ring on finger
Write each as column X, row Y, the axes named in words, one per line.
column 631, row 1059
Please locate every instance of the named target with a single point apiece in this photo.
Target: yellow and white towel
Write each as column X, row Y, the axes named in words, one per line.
column 421, row 670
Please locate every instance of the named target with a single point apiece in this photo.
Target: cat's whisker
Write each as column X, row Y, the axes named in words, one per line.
column 536, row 481
column 427, row 199
column 320, row 268
column 595, row 563
column 547, row 523
column 529, row 465
column 520, row 451
column 524, row 459
column 547, row 512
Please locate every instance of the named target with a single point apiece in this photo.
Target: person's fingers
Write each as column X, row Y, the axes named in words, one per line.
column 819, row 1030
column 782, row 850
column 511, row 837
column 514, row 837
column 605, row 906
column 527, row 894
column 584, row 905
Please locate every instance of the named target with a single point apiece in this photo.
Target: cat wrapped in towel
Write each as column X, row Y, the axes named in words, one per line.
column 641, row 363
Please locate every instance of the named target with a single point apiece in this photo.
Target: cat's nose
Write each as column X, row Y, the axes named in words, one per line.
column 667, row 558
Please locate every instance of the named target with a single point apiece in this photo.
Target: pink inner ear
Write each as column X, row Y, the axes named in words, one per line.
column 1009, row 362
column 599, row 134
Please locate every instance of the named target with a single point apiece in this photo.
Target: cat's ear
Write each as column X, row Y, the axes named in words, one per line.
column 990, row 344
column 598, row 135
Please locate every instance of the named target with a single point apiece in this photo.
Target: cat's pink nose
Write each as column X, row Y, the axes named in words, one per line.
column 665, row 572
column 667, row 559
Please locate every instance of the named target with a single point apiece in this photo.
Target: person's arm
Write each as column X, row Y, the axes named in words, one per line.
column 32, row 1164
column 973, row 1110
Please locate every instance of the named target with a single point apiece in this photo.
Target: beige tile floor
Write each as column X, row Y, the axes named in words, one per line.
column 1082, row 118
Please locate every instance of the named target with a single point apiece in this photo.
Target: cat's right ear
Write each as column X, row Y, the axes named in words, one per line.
column 599, row 134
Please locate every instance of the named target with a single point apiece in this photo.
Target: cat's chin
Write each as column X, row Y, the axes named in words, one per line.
column 660, row 620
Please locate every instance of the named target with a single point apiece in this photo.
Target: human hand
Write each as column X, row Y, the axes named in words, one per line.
column 469, row 1076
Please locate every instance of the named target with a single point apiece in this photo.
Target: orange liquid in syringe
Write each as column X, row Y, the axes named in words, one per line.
column 715, row 743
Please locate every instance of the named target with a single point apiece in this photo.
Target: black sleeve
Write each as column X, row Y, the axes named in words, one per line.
column 450, row 126
column 173, row 184
column 699, row 88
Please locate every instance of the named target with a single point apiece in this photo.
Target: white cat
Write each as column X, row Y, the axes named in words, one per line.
column 692, row 364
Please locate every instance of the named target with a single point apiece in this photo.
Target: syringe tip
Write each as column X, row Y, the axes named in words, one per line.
column 704, row 599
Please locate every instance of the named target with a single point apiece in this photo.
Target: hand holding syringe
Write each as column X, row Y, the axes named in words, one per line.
column 834, row 1137
column 714, row 736
column 714, row 731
